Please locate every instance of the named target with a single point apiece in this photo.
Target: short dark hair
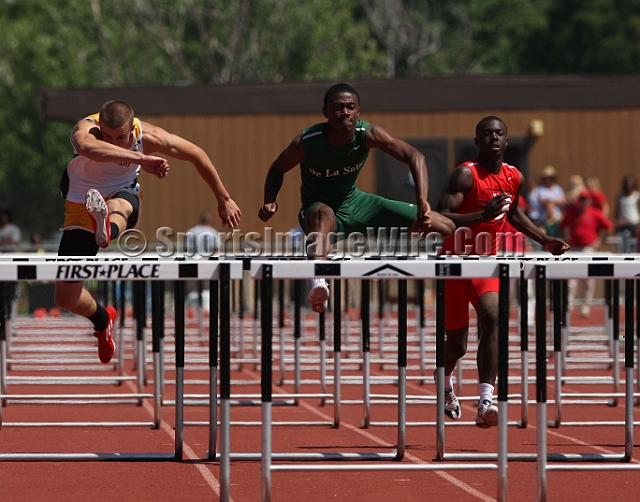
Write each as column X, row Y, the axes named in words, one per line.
column 337, row 88
column 489, row 119
column 116, row 114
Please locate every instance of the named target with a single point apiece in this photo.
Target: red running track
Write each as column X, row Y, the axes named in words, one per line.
column 196, row 479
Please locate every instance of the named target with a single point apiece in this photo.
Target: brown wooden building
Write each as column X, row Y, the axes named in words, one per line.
column 585, row 125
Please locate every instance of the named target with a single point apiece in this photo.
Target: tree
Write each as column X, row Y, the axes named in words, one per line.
column 599, row 36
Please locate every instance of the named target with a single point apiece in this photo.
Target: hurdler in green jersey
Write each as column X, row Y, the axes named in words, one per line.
column 331, row 156
column 329, row 172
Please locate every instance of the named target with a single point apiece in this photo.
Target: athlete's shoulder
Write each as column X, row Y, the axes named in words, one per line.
column 137, row 129
column 361, row 125
column 94, row 117
column 511, row 172
column 311, row 132
column 470, row 166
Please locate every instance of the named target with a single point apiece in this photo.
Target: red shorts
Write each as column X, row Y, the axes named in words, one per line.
column 457, row 295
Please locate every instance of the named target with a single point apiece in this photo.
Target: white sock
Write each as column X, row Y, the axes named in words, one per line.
column 318, row 282
column 448, row 382
column 486, row 392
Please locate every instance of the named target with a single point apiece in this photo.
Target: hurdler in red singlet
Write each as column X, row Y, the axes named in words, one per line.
column 482, row 238
column 482, row 195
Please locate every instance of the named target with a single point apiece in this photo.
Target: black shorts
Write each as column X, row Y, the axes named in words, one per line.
column 78, row 242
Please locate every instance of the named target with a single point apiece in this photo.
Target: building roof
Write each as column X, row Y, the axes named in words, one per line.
column 442, row 93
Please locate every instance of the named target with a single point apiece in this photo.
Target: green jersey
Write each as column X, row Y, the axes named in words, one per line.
column 329, row 173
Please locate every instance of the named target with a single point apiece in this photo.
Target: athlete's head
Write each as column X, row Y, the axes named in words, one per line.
column 116, row 123
column 341, row 108
column 491, row 137
column 490, row 118
column 339, row 88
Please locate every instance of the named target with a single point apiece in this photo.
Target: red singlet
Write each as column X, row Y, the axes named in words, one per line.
column 481, row 238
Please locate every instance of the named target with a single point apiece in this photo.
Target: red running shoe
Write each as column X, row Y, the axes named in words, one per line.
column 99, row 212
column 106, row 347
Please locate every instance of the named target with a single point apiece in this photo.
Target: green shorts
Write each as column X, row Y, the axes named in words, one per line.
column 365, row 210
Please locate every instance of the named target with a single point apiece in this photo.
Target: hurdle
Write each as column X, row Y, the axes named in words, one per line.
column 140, row 270
column 613, row 269
column 367, row 269
column 561, row 342
column 7, row 359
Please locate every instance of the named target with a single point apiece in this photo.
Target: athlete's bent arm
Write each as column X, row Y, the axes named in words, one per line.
column 156, row 139
column 87, row 140
column 460, row 183
column 287, row 160
column 377, row 137
column 522, row 223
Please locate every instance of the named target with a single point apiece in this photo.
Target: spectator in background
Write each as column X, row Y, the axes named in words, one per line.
column 598, row 199
column 203, row 238
column 574, row 188
column 10, row 234
column 552, row 224
column 35, row 243
column 547, row 190
column 584, row 224
column 627, row 214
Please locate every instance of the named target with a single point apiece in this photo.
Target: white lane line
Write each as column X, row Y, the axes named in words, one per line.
column 448, row 477
column 208, row 476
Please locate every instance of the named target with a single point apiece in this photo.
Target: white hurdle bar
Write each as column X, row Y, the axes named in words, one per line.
column 138, row 270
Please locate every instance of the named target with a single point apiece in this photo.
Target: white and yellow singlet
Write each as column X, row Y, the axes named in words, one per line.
column 108, row 178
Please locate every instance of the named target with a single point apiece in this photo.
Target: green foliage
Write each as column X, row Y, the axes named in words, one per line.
column 599, row 36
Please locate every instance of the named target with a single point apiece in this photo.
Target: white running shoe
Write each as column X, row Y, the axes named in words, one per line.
column 99, row 212
column 319, row 296
column 487, row 415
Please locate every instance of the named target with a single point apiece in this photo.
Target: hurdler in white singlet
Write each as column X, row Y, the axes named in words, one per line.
column 106, row 177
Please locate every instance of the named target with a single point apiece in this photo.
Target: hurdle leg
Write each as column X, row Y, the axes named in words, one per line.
column 323, row 356
column 440, row 306
column 179, row 342
column 566, row 324
column 281, row 326
column 541, row 382
column 628, row 364
column 503, row 381
column 557, row 350
column 256, row 321
column 366, row 346
column 524, row 351
column 225, row 383
column 213, row 369
column 346, row 317
column 200, row 312
column 266, row 384
column 337, row 335
column 420, row 327
column 241, row 330
column 157, row 325
column 121, row 331
column 297, row 327
column 615, row 339
column 381, row 318
column 140, row 346
column 402, row 369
